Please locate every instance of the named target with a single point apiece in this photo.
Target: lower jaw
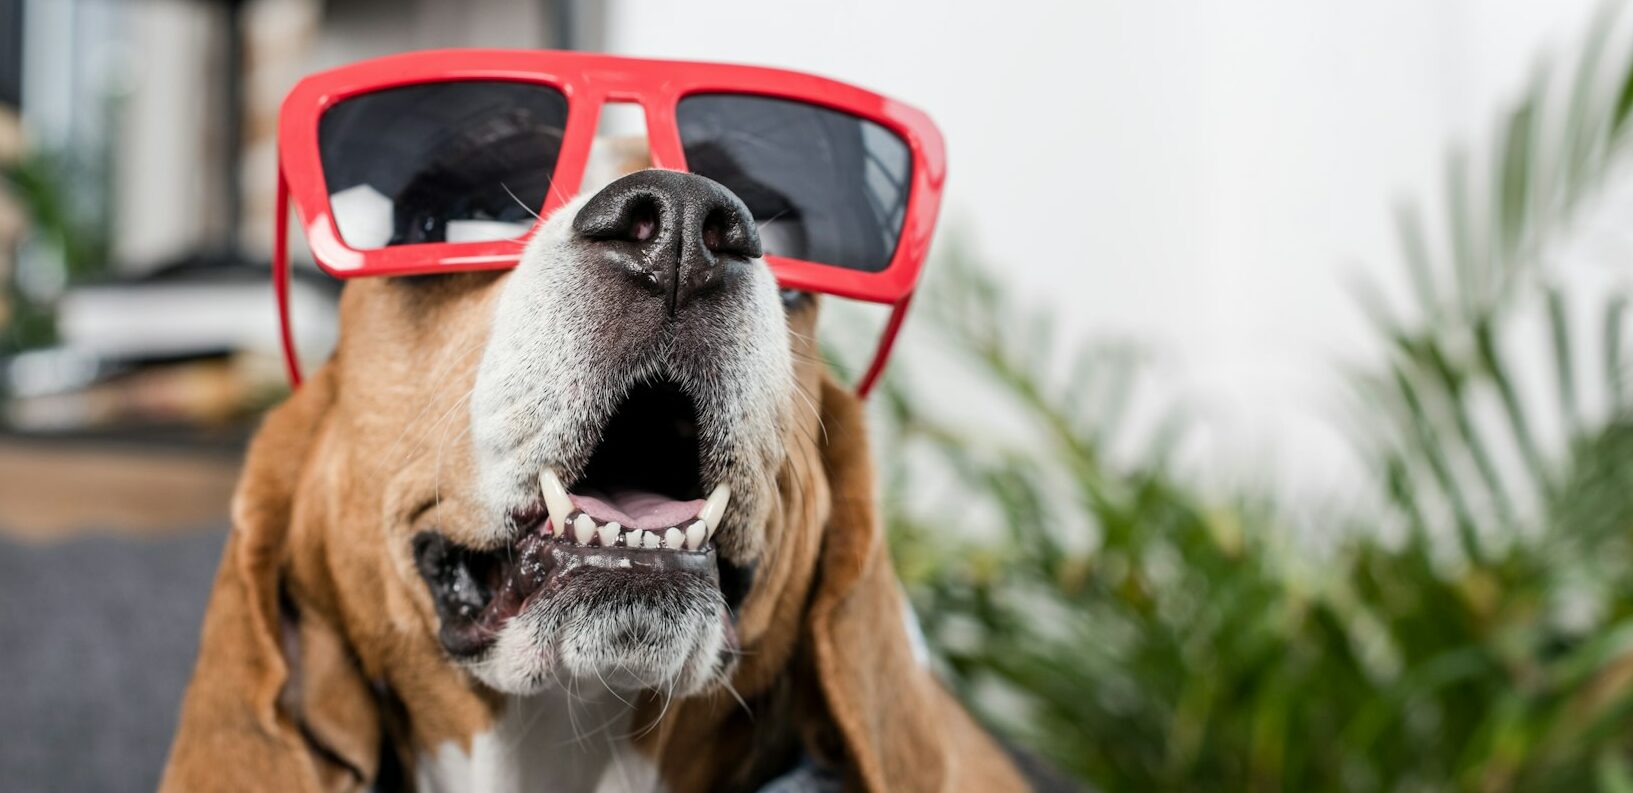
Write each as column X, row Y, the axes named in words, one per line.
column 538, row 567
column 552, row 647
column 670, row 632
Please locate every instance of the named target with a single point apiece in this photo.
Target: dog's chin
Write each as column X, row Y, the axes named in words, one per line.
column 668, row 632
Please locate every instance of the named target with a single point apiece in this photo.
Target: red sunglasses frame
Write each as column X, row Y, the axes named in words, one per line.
column 588, row 82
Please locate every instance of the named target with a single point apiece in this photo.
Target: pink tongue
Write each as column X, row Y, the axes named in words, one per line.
column 637, row 509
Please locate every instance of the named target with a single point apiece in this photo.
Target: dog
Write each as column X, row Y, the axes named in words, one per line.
column 600, row 522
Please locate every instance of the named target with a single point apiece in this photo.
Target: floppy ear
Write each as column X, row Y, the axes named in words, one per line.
column 899, row 728
column 276, row 700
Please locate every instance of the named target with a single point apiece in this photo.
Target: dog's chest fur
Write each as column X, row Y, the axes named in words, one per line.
column 551, row 742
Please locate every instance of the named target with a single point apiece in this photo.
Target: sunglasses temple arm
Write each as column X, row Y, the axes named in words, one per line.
column 888, row 340
column 280, row 278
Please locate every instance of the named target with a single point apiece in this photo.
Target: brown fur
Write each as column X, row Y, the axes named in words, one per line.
column 319, row 642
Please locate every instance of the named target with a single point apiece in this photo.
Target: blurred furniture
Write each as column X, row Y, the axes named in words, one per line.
column 150, row 483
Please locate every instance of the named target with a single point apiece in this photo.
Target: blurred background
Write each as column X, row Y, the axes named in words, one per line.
column 1264, row 424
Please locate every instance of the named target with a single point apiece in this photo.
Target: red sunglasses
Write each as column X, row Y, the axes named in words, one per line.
column 446, row 161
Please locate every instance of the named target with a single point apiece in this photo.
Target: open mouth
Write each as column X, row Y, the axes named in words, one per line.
column 639, row 509
column 641, row 488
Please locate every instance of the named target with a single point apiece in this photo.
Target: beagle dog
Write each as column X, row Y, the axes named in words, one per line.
column 602, row 522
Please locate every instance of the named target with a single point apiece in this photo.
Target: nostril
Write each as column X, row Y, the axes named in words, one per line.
column 628, row 218
column 725, row 231
column 714, row 232
column 643, row 221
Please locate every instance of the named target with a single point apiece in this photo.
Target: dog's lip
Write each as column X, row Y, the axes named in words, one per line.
column 538, row 566
column 573, row 560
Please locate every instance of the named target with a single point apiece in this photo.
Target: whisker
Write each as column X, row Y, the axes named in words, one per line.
column 608, row 687
column 815, row 413
column 739, row 697
column 440, row 423
column 668, row 699
column 442, row 380
column 605, row 729
column 623, row 769
column 521, row 735
column 436, row 477
column 439, row 375
column 761, row 227
column 572, row 717
column 525, row 207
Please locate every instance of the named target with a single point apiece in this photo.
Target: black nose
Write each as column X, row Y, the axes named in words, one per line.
column 679, row 235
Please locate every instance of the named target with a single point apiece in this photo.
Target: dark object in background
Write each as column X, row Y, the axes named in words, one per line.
column 193, row 344
column 97, row 639
column 11, row 52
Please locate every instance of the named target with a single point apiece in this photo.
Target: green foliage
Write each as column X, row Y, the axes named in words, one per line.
column 73, row 236
column 1146, row 634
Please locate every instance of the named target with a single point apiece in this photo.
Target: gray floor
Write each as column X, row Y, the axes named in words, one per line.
column 97, row 638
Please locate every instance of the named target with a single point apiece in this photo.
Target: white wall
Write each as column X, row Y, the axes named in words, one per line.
column 1209, row 176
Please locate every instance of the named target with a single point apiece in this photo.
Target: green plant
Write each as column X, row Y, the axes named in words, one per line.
column 1146, row 634
column 69, row 235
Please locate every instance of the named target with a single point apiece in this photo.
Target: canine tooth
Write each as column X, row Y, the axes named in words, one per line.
column 609, row 534
column 696, row 534
column 674, row 538
column 556, row 502
column 715, row 508
column 649, row 539
column 583, row 529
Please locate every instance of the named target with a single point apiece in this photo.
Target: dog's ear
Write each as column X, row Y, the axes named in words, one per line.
column 276, row 701
column 899, row 729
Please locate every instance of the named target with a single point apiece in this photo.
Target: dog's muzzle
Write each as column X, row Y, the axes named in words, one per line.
column 627, row 419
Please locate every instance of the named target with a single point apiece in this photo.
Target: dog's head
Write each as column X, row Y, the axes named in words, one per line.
column 620, row 465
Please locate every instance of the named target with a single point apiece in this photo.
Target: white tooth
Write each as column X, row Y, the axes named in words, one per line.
column 695, row 535
column 556, row 501
column 649, row 539
column 609, row 534
column 674, row 538
column 715, row 508
column 583, row 529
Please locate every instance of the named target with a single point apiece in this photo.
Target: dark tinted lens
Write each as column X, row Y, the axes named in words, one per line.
column 440, row 162
column 824, row 186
